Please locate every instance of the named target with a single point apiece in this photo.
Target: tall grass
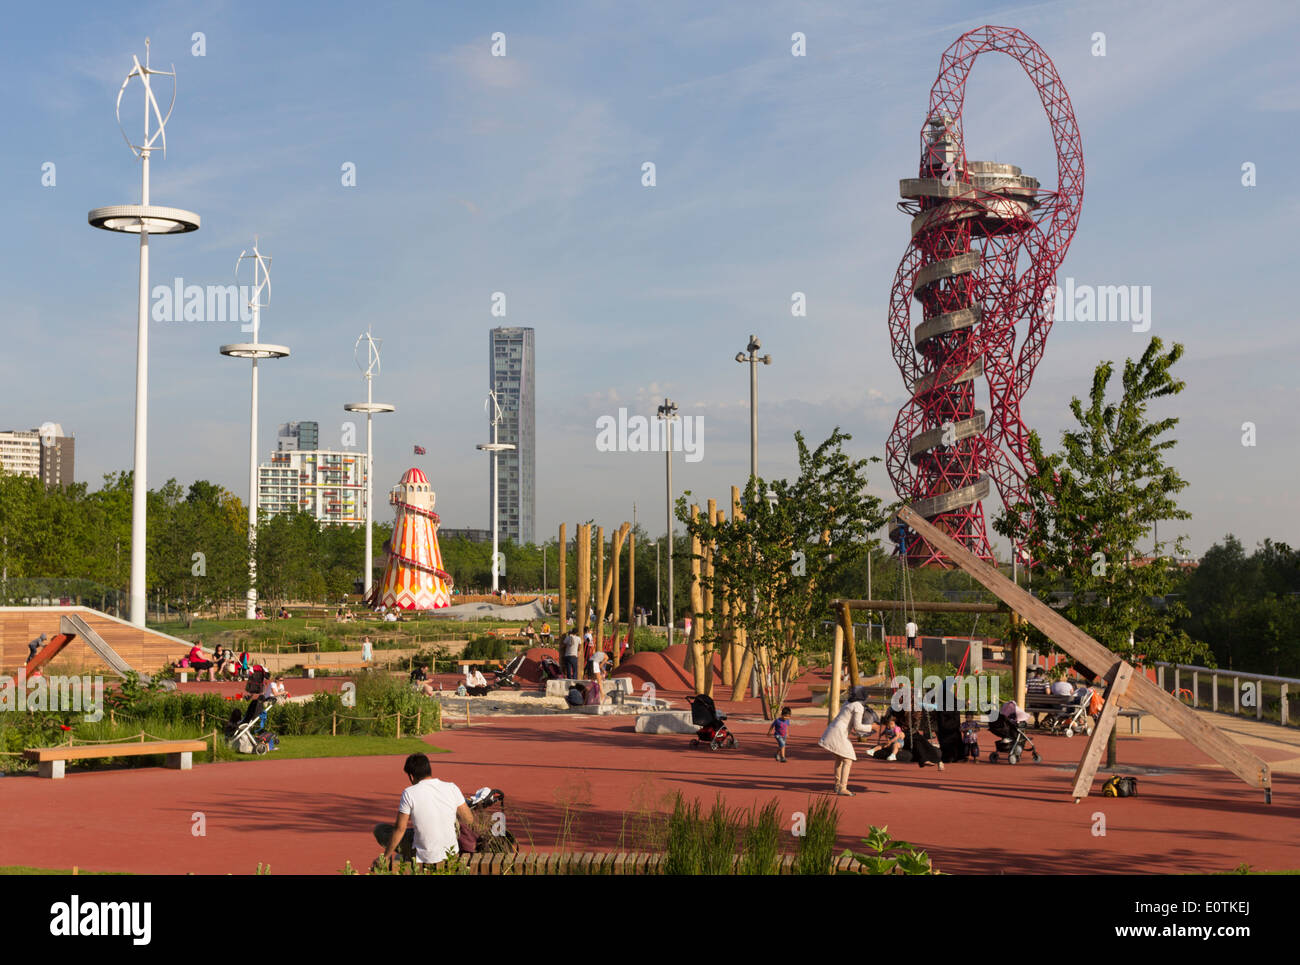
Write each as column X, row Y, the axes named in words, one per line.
column 761, row 841
column 685, row 852
column 817, row 845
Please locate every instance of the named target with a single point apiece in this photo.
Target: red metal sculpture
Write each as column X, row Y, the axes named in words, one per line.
column 986, row 244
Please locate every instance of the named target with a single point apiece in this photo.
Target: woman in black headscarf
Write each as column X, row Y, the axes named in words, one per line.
column 947, row 725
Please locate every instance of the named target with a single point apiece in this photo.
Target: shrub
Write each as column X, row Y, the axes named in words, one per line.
column 817, row 845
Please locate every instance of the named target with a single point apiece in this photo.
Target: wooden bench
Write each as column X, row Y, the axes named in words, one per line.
column 512, row 633
column 50, row 760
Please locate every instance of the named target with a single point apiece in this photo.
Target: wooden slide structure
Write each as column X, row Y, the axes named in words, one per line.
column 1125, row 687
column 71, row 626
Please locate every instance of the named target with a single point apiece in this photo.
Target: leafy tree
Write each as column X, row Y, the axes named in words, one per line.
column 1093, row 504
column 778, row 567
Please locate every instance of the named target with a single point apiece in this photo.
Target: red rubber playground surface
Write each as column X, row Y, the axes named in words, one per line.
column 595, row 774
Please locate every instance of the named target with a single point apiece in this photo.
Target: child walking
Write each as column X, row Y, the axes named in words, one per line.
column 781, row 727
column 970, row 735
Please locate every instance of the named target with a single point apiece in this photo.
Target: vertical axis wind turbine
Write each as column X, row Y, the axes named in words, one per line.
column 369, row 407
column 495, row 448
column 143, row 219
column 254, row 350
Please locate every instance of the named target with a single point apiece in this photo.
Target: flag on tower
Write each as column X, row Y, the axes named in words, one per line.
column 420, row 451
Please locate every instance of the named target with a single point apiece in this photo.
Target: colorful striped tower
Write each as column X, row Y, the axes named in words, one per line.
column 414, row 578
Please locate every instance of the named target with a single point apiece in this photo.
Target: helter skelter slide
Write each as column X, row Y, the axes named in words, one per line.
column 986, row 241
column 413, row 577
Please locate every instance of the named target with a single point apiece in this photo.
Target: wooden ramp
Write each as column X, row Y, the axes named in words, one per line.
column 1126, row 688
column 112, row 645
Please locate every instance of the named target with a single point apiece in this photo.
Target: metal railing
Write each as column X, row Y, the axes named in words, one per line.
column 1236, row 676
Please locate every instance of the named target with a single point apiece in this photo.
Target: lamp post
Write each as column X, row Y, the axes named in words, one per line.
column 369, row 407
column 254, row 350
column 753, row 359
column 495, row 447
column 143, row 219
column 667, row 413
column 659, row 611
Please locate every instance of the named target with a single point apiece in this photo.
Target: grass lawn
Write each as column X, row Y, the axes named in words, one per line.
column 345, row 745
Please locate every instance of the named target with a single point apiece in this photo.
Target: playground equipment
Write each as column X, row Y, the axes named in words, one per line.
column 413, row 577
column 975, row 223
column 1126, row 689
column 112, row 644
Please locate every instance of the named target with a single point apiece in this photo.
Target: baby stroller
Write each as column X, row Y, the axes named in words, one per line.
column 489, row 802
column 1074, row 717
column 508, row 676
column 1012, row 741
column 550, row 669
column 713, row 731
column 241, row 731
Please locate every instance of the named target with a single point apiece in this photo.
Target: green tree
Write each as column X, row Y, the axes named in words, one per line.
column 780, row 565
column 1092, row 505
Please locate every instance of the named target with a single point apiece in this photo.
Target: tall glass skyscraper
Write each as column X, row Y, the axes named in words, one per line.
column 510, row 376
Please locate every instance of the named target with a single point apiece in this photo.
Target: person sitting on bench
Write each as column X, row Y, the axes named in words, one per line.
column 200, row 662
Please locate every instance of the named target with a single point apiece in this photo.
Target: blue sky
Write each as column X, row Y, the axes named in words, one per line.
column 522, row 174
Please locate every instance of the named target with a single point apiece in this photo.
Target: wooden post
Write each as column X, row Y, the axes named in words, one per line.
column 1101, row 734
column 562, row 622
column 694, row 647
column 631, row 596
column 399, row 725
column 417, row 722
column 1286, row 698
column 706, row 615
column 606, row 587
column 584, row 582
column 837, row 658
column 1019, row 658
column 618, row 583
column 599, row 633
column 850, row 644
column 334, row 724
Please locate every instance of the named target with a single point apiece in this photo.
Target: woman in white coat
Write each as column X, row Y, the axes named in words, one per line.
column 856, row 717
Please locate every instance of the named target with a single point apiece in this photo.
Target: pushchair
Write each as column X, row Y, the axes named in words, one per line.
column 550, row 669
column 489, row 802
column 1012, row 741
column 243, row 733
column 713, row 729
column 508, row 676
column 1074, row 717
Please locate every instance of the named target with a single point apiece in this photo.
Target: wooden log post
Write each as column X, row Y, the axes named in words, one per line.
column 618, row 583
column 1102, row 733
column 837, row 658
column 1019, row 660
column 708, row 624
column 694, row 647
column 599, row 634
column 562, row 623
column 605, row 588
column 584, row 582
column 850, row 645
column 631, row 596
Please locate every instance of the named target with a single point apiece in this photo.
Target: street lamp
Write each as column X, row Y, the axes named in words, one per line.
column 369, row 407
column 143, row 219
column 254, row 350
column 753, row 359
column 495, row 447
column 668, row 413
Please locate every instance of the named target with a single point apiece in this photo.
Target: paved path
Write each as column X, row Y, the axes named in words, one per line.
column 597, row 778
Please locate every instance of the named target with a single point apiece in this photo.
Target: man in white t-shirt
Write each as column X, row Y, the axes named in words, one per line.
column 433, row 807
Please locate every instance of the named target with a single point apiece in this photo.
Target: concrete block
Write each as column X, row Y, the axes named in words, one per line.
column 665, row 722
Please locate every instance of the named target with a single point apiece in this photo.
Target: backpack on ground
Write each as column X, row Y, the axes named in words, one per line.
column 1119, row 786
